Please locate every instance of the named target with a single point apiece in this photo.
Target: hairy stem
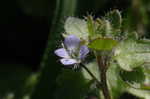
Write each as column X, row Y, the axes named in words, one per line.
column 102, row 64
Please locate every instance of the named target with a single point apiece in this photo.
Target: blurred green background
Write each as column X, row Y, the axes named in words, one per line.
column 29, row 33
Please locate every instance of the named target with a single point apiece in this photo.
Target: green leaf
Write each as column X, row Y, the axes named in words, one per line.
column 115, row 18
column 141, row 84
column 46, row 85
column 103, row 44
column 92, row 66
column 91, row 27
column 103, row 27
column 107, row 27
column 71, row 85
column 116, row 84
column 136, row 76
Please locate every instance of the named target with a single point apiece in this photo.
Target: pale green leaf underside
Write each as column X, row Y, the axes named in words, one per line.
column 144, row 94
column 76, row 27
column 130, row 55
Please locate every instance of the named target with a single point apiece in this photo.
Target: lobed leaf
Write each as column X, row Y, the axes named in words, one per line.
column 130, row 54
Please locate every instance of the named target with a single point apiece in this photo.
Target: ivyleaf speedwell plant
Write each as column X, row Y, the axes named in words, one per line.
column 122, row 59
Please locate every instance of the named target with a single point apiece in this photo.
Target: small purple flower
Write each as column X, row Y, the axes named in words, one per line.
column 72, row 52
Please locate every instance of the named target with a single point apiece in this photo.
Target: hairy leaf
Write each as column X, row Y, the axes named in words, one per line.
column 115, row 18
column 130, row 55
column 77, row 27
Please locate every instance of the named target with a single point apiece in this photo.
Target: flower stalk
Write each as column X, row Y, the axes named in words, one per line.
column 91, row 74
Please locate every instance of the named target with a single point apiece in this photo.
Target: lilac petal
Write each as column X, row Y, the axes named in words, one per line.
column 83, row 51
column 72, row 42
column 62, row 53
column 68, row 61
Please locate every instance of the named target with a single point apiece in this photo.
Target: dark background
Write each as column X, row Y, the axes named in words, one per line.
column 23, row 35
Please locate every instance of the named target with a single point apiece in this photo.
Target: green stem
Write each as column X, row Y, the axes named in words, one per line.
column 91, row 74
